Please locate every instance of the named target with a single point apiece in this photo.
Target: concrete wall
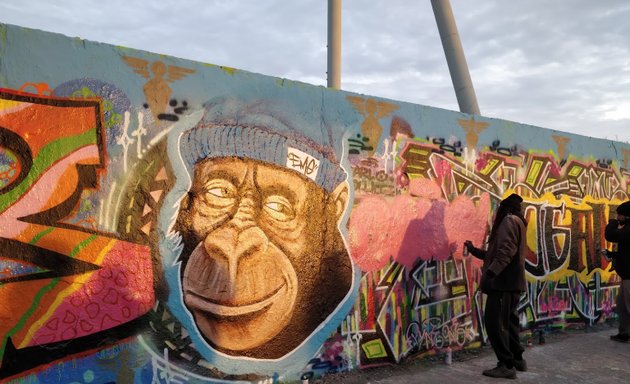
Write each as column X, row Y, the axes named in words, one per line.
column 164, row 220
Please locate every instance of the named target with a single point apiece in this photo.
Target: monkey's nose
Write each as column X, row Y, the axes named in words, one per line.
column 232, row 243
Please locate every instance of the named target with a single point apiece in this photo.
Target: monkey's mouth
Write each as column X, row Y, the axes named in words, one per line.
column 220, row 310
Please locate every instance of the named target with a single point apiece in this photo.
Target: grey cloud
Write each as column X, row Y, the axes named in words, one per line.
column 561, row 64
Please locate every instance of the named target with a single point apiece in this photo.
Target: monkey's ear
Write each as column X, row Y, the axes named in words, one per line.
column 339, row 197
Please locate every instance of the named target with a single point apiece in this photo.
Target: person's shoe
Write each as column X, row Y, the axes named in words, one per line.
column 620, row 337
column 501, row 371
column 520, row 365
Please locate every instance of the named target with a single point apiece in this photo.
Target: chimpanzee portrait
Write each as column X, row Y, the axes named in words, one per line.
column 264, row 262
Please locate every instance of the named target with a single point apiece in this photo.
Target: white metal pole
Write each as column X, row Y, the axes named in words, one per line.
column 455, row 58
column 334, row 44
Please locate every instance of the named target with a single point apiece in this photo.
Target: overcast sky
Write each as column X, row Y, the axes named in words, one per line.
column 561, row 64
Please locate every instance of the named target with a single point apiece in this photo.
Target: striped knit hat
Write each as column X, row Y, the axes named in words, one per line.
column 264, row 132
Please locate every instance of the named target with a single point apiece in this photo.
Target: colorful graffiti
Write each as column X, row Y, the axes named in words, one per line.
column 166, row 221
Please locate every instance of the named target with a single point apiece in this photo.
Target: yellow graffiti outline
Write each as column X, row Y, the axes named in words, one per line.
column 8, row 104
column 584, row 205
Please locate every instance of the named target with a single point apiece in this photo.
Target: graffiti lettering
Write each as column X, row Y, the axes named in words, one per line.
column 433, row 333
column 302, row 163
column 356, row 146
column 32, row 233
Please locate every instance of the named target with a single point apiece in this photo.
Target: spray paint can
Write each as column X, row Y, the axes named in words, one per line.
column 448, row 359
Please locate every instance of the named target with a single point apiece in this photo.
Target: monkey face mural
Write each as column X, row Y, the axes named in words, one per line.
column 261, row 247
column 263, row 264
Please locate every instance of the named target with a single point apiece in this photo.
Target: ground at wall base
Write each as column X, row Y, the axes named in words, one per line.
column 585, row 355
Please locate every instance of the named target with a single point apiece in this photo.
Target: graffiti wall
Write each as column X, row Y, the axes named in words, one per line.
column 168, row 221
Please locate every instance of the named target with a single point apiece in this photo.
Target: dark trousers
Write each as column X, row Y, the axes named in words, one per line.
column 623, row 307
column 502, row 326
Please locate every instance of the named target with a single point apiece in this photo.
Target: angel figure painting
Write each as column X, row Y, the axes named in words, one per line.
column 157, row 90
column 372, row 110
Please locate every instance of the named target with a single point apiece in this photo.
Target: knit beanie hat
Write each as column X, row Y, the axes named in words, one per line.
column 265, row 132
column 624, row 209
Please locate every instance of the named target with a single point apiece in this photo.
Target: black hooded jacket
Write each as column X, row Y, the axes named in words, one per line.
column 504, row 260
column 621, row 236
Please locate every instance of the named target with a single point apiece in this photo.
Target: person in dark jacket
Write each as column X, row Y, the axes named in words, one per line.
column 618, row 231
column 503, row 281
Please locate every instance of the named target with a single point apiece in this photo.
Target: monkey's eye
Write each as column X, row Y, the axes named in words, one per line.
column 279, row 208
column 219, row 193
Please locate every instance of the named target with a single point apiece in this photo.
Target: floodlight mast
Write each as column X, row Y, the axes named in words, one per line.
column 458, row 68
column 334, row 44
